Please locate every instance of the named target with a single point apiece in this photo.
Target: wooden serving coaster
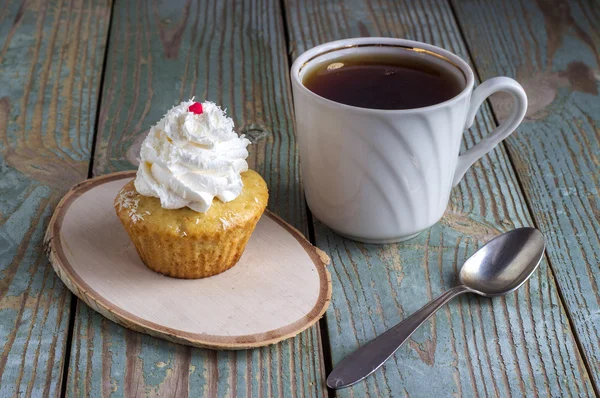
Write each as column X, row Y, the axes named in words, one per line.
column 279, row 287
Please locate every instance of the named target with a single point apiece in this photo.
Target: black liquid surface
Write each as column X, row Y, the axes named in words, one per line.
column 383, row 81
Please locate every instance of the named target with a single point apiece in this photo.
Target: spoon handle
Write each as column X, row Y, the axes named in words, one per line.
column 368, row 358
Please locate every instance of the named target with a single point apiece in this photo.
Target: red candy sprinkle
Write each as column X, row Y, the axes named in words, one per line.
column 196, row 108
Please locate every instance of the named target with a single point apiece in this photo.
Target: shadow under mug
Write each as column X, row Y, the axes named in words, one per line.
column 383, row 176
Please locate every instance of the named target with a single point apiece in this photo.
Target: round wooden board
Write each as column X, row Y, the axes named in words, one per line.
column 279, row 287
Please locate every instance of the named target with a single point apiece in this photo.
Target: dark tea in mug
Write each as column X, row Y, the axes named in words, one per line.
column 384, row 81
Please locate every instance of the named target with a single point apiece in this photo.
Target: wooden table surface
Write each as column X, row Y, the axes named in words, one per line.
column 81, row 81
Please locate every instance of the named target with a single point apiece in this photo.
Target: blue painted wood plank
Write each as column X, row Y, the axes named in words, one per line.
column 232, row 53
column 521, row 345
column 553, row 50
column 51, row 56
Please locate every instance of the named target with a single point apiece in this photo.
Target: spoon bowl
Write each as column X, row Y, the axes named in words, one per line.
column 504, row 263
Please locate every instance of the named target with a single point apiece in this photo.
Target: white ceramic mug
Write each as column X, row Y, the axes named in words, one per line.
column 382, row 176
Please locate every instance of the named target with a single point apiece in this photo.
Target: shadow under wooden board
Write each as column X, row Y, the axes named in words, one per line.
column 279, row 287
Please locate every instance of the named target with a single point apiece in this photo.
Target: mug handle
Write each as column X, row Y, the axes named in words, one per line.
column 506, row 128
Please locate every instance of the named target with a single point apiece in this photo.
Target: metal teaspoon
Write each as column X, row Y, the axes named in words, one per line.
column 498, row 268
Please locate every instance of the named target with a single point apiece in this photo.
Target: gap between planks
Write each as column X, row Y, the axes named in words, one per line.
column 327, row 357
column 73, row 304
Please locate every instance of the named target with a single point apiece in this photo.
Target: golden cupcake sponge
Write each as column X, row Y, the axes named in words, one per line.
column 186, row 244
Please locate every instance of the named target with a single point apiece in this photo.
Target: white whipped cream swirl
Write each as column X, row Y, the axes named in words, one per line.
column 187, row 159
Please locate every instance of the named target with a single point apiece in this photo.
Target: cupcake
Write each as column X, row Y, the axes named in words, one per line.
column 193, row 204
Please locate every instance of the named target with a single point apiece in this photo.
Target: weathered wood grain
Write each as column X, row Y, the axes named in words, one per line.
column 234, row 54
column 50, row 66
column 552, row 48
column 521, row 345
